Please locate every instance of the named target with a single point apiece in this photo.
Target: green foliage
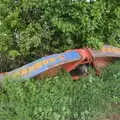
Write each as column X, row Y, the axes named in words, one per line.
column 111, row 27
column 81, row 20
column 36, row 28
column 60, row 98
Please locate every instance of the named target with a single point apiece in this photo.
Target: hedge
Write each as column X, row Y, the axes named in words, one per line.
column 31, row 29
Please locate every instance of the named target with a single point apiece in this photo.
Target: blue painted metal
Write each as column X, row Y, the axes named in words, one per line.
column 41, row 65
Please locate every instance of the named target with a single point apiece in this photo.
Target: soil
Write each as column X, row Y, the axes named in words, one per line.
column 115, row 116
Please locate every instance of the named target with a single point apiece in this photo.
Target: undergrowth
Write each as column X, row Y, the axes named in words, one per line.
column 60, row 98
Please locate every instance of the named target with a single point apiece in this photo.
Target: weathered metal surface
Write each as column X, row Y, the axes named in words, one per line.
column 43, row 64
column 69, row 61
column 107, row 51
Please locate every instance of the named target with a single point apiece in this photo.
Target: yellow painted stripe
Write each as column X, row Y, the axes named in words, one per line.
column 111, row 49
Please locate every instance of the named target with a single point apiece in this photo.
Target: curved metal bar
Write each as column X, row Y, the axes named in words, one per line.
column 107, row 51
column 43, row 64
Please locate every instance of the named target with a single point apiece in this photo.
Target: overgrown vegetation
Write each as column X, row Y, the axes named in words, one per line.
column 31, row 29
column 60, row 98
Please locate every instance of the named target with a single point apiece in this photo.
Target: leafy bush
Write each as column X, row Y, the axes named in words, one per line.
column 31, row 29
column 60, row 98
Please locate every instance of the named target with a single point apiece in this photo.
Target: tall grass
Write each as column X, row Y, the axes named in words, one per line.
column 60, row 98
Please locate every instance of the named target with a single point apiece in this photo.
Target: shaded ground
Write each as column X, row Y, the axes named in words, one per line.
column 112, row 116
